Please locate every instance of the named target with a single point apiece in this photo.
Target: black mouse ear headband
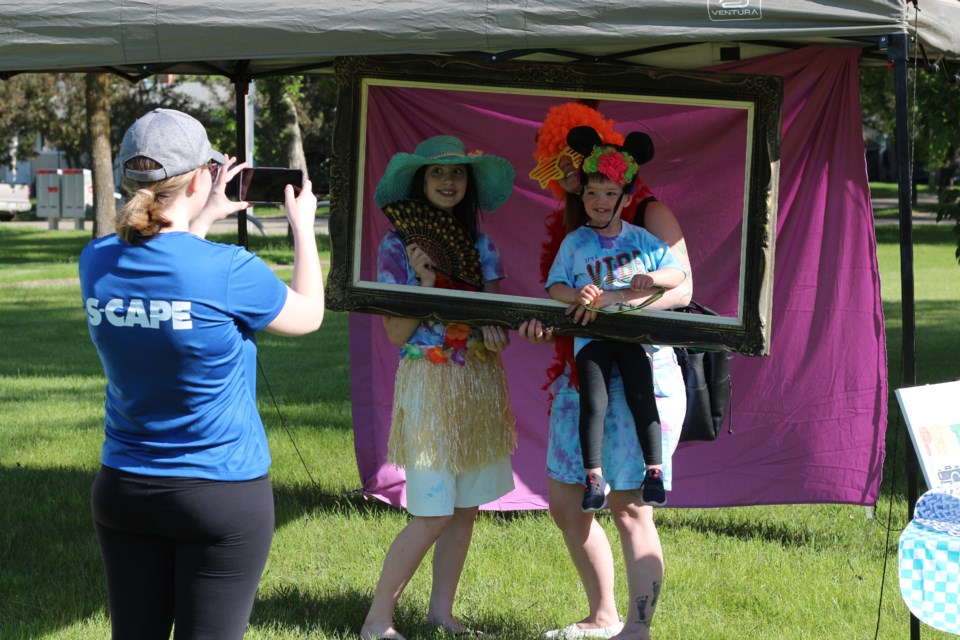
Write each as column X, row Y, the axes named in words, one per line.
column 583, row 140
column 640, row 146
column 618, row 163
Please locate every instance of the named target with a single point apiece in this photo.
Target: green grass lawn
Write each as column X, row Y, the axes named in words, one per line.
column 783, row 572
column 889, row 190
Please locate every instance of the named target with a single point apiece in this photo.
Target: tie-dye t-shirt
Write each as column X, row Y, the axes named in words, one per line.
column 394, row 268
column 586, row 257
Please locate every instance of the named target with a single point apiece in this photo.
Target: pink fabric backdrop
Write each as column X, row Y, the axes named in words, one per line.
column 809, row 419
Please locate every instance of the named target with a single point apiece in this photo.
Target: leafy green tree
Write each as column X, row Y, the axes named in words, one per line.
column 932, row 121
column 287, row 109
column 130, row 101
column 20, row 98
column 317, row 109
column 949, row 209
column 54, row 107
column 294, row 125
column 62, row 118
column 279, row 140
column 938, row 99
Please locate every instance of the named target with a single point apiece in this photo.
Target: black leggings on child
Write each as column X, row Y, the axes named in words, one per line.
column 182, row 550
column 594, row 363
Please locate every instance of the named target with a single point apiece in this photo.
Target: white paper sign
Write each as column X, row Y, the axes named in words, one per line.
column 932, row 413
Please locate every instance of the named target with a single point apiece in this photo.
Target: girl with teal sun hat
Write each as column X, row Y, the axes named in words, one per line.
column 452, row 428
column 493, row 175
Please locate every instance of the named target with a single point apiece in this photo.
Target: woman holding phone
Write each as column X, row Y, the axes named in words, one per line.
column 182, row 504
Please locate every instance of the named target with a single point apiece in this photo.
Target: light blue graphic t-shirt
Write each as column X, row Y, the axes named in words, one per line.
column 587, row 257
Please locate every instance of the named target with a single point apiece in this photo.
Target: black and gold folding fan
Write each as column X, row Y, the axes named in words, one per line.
column 441, row 236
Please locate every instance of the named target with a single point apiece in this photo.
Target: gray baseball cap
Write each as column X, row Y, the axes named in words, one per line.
column 172, row 139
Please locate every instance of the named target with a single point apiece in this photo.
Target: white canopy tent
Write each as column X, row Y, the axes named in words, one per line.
column 252, row 38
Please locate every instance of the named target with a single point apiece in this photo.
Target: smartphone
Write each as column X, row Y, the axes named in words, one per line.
column 264, row 185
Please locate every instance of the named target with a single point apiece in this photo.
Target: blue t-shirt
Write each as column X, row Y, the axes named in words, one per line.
column 173, row 320
column 586, row 257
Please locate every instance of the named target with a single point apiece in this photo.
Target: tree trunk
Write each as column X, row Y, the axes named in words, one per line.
column 296, row 159
column 295, row 156
column 14, row 147
column 98, row 125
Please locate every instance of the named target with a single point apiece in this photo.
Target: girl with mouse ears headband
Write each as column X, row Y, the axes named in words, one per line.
column 616, row 163
column 599, row 260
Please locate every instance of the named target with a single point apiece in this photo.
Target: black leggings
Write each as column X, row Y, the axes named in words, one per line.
column 594, row 364
column 181, row 549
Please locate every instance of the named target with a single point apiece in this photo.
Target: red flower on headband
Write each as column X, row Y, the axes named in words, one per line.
column 617, row 166
column 613, row 166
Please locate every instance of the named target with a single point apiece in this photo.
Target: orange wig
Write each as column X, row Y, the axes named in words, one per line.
column 552, row 135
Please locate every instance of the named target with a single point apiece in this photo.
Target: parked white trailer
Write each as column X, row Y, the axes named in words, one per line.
column 14, row 199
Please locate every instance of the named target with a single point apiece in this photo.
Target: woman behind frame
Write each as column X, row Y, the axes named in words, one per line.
column 585, row 539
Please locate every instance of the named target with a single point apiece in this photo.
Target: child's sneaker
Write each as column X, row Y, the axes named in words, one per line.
column 595, row 493
column 652, row 488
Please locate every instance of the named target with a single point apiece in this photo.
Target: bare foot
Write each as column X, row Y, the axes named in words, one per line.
column 380, row 632
column 450, row 625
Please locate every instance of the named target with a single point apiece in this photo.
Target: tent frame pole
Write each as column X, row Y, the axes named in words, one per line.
column 241, row 92
column 898, row 53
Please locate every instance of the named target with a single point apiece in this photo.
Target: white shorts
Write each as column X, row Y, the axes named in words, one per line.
column 435, row 492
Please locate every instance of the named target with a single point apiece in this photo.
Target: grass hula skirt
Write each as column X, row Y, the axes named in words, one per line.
column 451, row 415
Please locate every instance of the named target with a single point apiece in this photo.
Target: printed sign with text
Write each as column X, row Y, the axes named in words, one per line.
column 932, row 414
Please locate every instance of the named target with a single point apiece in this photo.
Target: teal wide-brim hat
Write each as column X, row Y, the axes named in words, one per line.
column 493, row 174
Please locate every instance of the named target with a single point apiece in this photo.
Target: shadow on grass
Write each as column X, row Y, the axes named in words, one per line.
column 43, row 338
column 291, row 609
column 785, row 534
column 937, row 343
column 52, row 577
column 51, row 574
column 299, row 501
column 922, row 234
column 18, row 246
column 733, row 523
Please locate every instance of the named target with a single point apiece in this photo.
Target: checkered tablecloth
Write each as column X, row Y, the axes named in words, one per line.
column 929, row 554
